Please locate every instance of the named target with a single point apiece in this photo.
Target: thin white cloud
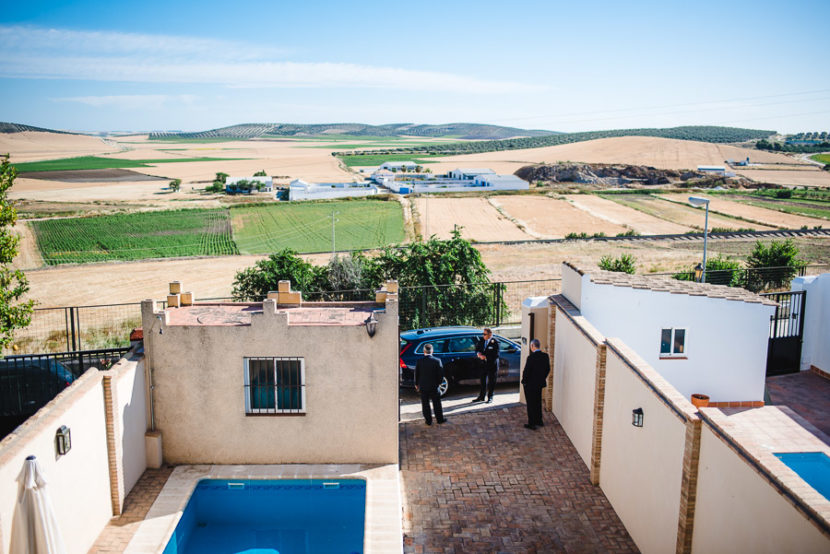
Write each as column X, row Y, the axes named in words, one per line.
column 131, row 101
column 36, row 53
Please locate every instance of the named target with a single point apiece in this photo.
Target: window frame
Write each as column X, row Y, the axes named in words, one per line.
column 275, row 411
column 672, row 340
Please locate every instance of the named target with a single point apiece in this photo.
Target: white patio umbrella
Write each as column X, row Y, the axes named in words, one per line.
column 36, row 527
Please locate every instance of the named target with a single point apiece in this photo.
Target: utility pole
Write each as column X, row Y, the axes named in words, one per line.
column 333, row 213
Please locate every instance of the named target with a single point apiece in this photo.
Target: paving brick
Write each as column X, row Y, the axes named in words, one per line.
column 806, row 393
column 483, row 483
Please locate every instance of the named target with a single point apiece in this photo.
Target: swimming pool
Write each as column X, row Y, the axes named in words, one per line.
column 813, row 467
column 283, row 516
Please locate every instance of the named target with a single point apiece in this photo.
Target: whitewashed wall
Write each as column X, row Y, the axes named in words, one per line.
column 739, row 511
column 574, row 381
column 726, row 340
column 131, row 422
column 79, row 481
column 815, row 350
column 641, row 467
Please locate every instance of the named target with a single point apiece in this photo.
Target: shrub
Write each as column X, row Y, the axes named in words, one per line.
column 719, row 271
column 772, row 265
column 624, row 264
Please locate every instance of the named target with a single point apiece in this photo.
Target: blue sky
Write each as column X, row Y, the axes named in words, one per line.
column 94, row 66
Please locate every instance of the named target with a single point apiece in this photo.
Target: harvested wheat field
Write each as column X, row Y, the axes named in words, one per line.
column 479, row 219
column 810, row 176
column 613, row 212
column 552, row 218
column 28, row 255
column 754, row 213
column 29, row 146
column 682, row 214
column 658, row 152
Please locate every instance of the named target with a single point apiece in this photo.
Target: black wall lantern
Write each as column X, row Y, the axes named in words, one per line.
column 371, row 324
column 637, row 417
column 63, row 440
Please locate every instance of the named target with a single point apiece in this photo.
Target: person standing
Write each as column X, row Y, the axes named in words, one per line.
column 429, row 372
column 534, row 379
column 487, row 349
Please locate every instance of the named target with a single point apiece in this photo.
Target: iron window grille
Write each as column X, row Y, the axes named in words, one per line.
column 672, row 342
column 275, row 386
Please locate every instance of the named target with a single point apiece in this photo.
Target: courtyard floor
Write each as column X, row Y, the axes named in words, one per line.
column 483, row 483
column 808, row 395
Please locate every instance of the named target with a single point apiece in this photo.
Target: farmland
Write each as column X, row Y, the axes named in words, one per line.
column 378, row 159
column 307, row 227
column 823, row 158
column 135, row 236
column 96, row 162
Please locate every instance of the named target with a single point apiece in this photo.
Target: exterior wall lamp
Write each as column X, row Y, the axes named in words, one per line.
column 63, row 440
column 371, row 325
column 698, row 272
column 637, row 417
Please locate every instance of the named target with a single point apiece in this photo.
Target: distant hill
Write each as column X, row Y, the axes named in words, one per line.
column 465, row 131
column 702, row 133
column 19, row 128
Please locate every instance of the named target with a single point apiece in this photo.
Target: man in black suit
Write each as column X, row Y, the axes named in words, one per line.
column 534, row 379
column 487, row 349
column 429, row 372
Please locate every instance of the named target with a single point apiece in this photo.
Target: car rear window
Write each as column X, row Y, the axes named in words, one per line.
column 462, row 344
column 438, row 346
column 404, row 342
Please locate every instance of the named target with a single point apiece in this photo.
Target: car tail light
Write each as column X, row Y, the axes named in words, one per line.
column 404, row 349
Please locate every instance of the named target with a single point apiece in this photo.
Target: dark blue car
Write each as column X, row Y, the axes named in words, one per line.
column 455, row 347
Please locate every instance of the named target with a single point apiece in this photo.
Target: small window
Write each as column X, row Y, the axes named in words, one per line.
column 672, row 342
column 438, row 346
column 274, row 385
column 505, row 346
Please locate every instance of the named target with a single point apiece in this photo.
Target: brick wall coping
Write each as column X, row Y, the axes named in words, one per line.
column 676, row 402
column 667, row 284
column 790, row 437
column 573, row 314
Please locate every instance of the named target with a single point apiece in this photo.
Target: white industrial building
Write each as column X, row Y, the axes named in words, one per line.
column 470, row 173
column 399, row 166
column 459, row 180
column 300, row 190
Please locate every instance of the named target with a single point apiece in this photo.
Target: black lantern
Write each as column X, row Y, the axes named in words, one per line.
column 698, row 272
column 371, row 324
column 637, row 417
column 63, row 440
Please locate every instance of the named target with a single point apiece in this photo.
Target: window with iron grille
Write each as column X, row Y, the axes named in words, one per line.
column 274, row 386
column 672, row 342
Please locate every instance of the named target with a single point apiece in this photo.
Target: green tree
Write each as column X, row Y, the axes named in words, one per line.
column 222, row 177
column 254, row 283
column 260, row 173
column 626, row 263
column 772, row 266
column 14, row 313
column 175, row 185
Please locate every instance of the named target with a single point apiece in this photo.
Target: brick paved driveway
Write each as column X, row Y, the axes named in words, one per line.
column 483, row 483
column 806, row 393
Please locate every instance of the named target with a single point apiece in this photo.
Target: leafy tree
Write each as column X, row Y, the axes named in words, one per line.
column 772, row 266
column 346, row 273
column 254, row 283
column 175, row 185
column 260, row 173
column 222, row 177
column 14, row 313
column 626, row 263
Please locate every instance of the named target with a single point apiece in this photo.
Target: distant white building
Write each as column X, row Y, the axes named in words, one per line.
column 470, row 173
column 399, row 166
column 233, row 185
column 300, row 190
column 501, row 182
column 715, row 170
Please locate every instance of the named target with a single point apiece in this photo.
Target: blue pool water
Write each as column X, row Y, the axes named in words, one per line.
column 272, row 517
column 813, row 467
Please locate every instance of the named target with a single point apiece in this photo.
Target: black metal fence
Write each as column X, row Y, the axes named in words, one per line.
column 28, row 382
column 754, row 279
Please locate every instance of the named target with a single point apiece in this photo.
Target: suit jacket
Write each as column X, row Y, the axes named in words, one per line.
column 429, row 372
column 537, row 367
column 491, row 352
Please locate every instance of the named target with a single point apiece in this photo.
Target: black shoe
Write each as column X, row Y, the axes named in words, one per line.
column 489, row 400
column 440, row 421
column 477, row 400
column 428, row 422
column 529, row 426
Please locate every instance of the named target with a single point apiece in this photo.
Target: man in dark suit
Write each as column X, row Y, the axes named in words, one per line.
column 487, row 349
column 429, row 372
column 534, row 379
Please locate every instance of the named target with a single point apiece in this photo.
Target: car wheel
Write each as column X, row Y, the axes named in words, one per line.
column 443, row 387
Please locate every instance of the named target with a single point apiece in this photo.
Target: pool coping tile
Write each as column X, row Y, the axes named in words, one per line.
column 382, row 526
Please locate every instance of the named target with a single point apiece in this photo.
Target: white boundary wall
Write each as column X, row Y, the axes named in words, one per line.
column 815, row 350
column 130, row 422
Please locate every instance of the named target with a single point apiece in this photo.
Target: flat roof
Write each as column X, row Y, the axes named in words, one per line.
column 240, row 314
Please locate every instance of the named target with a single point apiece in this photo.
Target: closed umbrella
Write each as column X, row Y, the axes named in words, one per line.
column 36, row 527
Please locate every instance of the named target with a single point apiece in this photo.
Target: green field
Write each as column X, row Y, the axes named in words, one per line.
column 135, row 236
column 95, row 162
column 306, row 226
column 789, row 205
column 823, row 158
column 378, row 159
